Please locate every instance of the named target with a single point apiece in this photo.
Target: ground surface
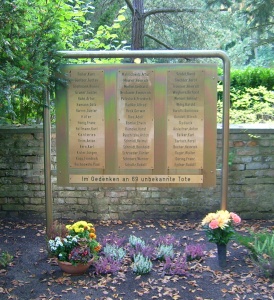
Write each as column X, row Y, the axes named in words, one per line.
column 32, row 275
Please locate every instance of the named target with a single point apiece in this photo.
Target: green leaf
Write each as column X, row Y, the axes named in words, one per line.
column 116, row 25
column 121, row 18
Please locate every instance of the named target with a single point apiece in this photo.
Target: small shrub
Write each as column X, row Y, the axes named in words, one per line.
column 5, row 259
column 146, row 251
column 247, row 242
column 134, row 240
column 107, row 265
column 165, row 251
column 175, row 267
column 114, row 252
column 261, row 246
column 264, row 248
column 142, row 265
column 193, row 251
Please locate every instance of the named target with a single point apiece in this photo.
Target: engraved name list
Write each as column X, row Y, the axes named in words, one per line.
column 185, row 119
column 86, row 119
column 135, row 111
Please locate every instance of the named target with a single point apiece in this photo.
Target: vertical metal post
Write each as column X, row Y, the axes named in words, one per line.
column 47, row 161
column 225, row 131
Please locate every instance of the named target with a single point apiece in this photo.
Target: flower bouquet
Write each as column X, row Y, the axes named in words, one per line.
column 219, row 229
column 76, row 246
column 219, row 226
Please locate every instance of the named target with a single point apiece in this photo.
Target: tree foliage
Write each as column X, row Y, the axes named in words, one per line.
column 253, row 30
column 168, row 25
column 31, row 33
column 239, row 27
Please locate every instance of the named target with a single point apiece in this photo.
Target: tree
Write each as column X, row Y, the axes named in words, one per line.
column 243, row 28
column 256, row 32
column 258, row 13
column 31, row 32
column 139, row 16
column 260, row 21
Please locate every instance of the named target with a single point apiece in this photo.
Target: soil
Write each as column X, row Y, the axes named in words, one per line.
column 33, row 275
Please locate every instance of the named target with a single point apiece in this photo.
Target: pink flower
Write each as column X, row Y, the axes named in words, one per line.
column 213, row 224
column 235, row 218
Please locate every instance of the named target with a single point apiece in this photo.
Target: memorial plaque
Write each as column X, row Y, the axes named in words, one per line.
column 86, row 119
column 135, row 113
column 185, row 119
column 137, row 125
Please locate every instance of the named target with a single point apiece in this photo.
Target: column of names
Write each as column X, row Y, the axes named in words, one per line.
column 185, row 119
column 86, row 119
column 135, row 111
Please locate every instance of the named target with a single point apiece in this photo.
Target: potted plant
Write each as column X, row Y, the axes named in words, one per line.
column 219, row 228
column 75, row 248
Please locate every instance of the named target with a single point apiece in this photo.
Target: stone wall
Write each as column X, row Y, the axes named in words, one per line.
column 251, row 183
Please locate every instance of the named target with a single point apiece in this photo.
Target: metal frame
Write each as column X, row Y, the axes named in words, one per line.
column 47, row 161
column 145, row 54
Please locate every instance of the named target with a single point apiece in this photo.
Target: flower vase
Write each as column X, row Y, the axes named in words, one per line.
column 221, row 255
column 78, row 269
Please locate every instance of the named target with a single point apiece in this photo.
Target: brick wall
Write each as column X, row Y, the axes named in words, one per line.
column 251, row 183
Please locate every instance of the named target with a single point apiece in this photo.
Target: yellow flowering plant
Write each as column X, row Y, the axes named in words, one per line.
column 219, row 226
column 78, row 245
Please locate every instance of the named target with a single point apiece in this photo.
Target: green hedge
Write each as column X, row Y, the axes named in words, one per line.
column 252, row 78
column 251, row 96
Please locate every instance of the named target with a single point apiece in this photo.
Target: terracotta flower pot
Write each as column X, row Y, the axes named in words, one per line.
column 79, row 269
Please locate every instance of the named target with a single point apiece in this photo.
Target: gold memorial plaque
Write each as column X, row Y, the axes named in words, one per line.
column 137, row 125
column 185, row 119
column 86, row 119
column 135, row 114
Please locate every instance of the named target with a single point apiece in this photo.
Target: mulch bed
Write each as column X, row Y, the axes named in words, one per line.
column 33, row 275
